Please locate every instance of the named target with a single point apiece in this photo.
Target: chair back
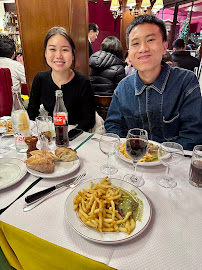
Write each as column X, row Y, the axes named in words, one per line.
column 24, row 89
column 102, row 104
column 6, row 100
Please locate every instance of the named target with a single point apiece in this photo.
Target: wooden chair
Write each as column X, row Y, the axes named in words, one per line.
column 102, row 104
column 6, row 100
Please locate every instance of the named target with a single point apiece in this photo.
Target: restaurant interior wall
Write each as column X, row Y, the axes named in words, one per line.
column 183, row 12
column 100, row 14
column 34, row 21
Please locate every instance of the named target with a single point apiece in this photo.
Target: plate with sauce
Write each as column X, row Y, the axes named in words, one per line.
column 142, row 215
column 153, row 145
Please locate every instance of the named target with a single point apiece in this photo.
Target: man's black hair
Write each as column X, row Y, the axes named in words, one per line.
column 178, row 44
column 93, row 26
column 7, row 47
column 146, row 19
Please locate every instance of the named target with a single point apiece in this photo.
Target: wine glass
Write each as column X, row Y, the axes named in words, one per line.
column 170, row 154
column 136, row 148
column 109, row 144
column 3, row 131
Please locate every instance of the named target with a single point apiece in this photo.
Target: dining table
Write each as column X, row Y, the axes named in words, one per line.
column 43, row 237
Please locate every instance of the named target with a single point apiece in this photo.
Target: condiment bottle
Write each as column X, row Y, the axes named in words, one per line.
column 31, row 142
column 60, row 117
column 20, row 122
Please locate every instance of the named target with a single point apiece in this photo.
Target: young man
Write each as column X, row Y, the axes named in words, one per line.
column 93, row 31
column 7, row 54
column 183, row 58
column 164, row 100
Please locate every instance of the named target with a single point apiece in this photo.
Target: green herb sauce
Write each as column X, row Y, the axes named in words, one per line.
column 131, row 203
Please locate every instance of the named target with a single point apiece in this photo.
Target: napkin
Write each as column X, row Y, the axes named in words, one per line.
column 26, row 251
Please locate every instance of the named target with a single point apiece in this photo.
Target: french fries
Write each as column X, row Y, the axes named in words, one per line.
column 96, row 207
column 150, row 156
column 10, row 129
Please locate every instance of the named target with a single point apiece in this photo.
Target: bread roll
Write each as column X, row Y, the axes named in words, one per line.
column 65, row 154
column 41, row 161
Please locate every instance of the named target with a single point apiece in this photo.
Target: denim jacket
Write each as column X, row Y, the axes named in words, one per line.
column 170, row 109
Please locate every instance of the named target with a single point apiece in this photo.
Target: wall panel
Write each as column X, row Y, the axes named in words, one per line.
column 37, row 16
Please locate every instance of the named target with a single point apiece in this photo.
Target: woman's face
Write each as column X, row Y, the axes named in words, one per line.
column 58, row 53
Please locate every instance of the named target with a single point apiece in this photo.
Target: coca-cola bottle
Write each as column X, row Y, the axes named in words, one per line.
column 60, row 117
column 20, row 122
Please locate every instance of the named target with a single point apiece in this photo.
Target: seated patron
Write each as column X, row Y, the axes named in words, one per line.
column 78, row 96
column 167, row 57
column 183, row 58
column 7, row 55
column 129, row 69
column 107, row 67
column 162, row 99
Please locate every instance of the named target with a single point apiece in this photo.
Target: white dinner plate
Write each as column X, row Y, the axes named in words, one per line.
column 61, row 168
column 12, row 170
column 71, row 216
column 146, row 164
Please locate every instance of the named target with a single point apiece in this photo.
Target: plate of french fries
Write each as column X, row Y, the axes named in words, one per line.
column 10, row 129
column 108, row 211
column 150, row 159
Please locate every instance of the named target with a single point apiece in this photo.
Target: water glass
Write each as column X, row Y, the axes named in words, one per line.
column 195, row 173
column 109, row 144
column 3, row 131
column 44, row 127
column 170, row 154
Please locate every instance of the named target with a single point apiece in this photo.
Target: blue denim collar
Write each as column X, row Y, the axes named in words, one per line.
column 159, row 84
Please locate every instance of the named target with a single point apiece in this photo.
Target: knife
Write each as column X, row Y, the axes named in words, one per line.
column 38, row 195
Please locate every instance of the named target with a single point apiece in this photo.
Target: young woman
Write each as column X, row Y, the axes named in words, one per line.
column 78, row 96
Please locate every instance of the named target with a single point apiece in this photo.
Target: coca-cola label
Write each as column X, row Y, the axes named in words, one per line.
column 60, row 119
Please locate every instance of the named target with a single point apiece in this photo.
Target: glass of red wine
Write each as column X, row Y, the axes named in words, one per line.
column 136, row 148
column 170, row 154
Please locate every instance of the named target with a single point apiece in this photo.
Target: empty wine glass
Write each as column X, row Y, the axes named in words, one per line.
column 136, row 148
column 170, row 154
column 3, row 131
column 109, row 144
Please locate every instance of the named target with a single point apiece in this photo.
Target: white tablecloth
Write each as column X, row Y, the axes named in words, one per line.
column 173, row 239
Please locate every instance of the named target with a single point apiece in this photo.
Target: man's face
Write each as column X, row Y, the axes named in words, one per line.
column 93, row 35
column 146, row 47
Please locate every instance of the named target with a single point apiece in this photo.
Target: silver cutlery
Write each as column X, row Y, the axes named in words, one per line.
column 37, row 198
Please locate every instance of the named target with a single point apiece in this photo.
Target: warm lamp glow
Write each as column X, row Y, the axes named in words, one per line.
column 158, row 5
column 114, row 5
column 146, row 3
column 131, row 3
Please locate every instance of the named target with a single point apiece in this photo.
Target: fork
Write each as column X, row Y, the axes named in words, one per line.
column 73, row 184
